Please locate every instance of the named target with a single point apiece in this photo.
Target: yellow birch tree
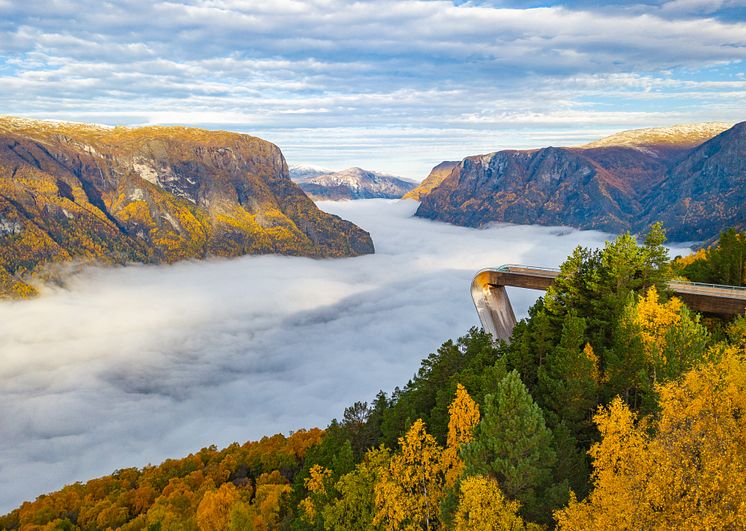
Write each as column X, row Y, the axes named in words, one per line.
column 690, row 474
column 409, row 493
column 483, row 506
column 463, row 420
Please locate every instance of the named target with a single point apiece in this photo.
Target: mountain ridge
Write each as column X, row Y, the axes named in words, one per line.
column 355, row 183
column 437, row 175
column 150, row 194
column 612, row 185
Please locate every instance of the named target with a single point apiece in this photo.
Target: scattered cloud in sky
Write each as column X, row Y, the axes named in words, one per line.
column 128, row 366
column 380, row 69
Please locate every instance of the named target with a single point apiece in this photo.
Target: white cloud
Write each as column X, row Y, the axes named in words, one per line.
column 383, row 66
column 132, row 365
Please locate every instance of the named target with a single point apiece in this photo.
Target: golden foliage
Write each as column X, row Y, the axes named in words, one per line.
column 214, row 511
column 483, row 506
column 463, row 420
column 205, row 489
column 655, row 319
column 271, row 488
column 355, row 508
column 408, row 496
column 683, row 261
column 316, row 484
column 590, row 354
column 689, row 474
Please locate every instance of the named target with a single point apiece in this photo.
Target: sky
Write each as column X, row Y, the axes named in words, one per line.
column 131, row 365
column 390, row 85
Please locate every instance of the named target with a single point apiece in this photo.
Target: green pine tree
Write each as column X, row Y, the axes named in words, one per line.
column 513, row 445
column 568, row 381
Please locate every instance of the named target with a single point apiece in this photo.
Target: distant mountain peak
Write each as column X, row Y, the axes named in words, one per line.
column 352, row 183
column 681, row 136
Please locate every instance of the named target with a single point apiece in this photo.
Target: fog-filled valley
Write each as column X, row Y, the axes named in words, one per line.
column 128, row 366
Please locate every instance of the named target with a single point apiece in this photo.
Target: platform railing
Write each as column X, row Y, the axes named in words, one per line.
column 497, row 317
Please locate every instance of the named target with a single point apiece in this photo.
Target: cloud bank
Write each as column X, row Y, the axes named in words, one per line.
column 129, row 366
column 362, row 75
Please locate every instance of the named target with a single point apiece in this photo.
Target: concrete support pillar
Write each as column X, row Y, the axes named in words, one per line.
column 494, row 308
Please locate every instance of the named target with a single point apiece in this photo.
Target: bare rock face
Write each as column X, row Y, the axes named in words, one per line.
column 151, row 194
column 354, row 183
column 696, row 190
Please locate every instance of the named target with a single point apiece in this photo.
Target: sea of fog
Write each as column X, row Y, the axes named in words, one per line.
column 128, row 366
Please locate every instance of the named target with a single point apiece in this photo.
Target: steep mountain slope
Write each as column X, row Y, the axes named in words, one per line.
column 621, row 183
column 151, row 194
column 437, row 175
column 706, row 192
column 355, row 183
column 550, row 186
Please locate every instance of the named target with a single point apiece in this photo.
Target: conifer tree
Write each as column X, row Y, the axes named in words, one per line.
column 568, row 380
column 513, row 445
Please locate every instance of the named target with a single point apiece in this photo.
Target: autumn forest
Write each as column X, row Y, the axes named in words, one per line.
column 613, row 407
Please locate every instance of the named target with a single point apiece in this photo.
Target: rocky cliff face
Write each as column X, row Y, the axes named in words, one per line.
column 437, row 175
column 696, row 191
column 355, row 183
column 705, row 192
column 152, row 194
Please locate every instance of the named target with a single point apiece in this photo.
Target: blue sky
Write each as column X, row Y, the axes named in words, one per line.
column 389, row 85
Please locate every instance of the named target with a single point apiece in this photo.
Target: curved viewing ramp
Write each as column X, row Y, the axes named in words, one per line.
column 497, row 317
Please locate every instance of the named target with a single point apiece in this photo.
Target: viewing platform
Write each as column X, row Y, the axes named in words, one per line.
column 497, row 316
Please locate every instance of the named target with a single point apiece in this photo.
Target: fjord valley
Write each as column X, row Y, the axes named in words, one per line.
column 150, row 194
column 692, row 178
column 230, row 307
column 607, row 367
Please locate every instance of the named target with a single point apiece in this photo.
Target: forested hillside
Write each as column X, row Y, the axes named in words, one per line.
column 724, row 263
column 613, row 407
